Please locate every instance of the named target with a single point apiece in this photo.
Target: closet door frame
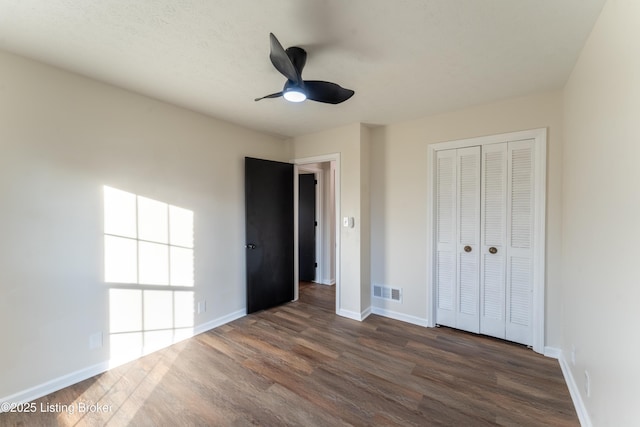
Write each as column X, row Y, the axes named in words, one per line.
column 540, row 167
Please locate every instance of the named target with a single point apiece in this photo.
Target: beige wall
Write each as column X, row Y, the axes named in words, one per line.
column 601, row 227
column 63, row 137
column 399, row 179
column 365, row 217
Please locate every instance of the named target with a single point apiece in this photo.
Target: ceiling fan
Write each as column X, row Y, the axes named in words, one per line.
column 290, row 63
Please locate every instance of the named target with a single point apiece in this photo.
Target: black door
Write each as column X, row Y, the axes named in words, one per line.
column 269, row 229
column 307, row 227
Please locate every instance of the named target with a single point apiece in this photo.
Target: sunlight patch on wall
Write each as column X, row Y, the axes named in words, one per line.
column 146, row 242
column 149, row 266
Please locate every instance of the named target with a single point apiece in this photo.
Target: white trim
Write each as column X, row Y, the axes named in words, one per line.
column 489, row 139
column 335, row 157
column 75, row 377
column 539, row 238
column 540, row 150
column 354, row 315
column 55, row 384
column 400, row 316
column 212, row 324
column 319, row 230
column 431, row 190
column 552, row 352
column 576, row 397
column 320, row 243
column 296, row 244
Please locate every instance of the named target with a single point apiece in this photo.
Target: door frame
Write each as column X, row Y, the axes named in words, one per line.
column 319, row 213
column 540, row 177
column 299, row 165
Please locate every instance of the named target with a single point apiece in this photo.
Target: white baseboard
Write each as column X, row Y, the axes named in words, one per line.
column 400, row 316
column 354, row 314
column 204, row 327
column 67, row 380
column 552, row 352
column 576, row 397
column 55, row 384
column 326, row 283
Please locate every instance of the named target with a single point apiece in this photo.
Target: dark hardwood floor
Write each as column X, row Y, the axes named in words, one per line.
column 300, row 364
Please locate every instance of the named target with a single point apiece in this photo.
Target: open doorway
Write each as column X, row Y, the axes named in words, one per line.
column 317, row 246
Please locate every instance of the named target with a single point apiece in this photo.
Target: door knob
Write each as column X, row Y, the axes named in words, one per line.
column 250, row 246
column 467, row 248
column 493, row 250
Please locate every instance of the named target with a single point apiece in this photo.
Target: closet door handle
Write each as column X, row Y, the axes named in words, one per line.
column 493, row 250
column 467, row 248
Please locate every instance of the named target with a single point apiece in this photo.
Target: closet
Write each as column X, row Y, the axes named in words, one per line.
column 483, row 236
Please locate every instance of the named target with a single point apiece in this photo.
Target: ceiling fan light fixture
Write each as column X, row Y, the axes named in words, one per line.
column 294, row 94
column 290, row 63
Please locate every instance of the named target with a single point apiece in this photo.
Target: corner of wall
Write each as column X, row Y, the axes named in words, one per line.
column 365, row 216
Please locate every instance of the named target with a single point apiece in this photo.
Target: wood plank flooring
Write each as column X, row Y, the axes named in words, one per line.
column 299, row 364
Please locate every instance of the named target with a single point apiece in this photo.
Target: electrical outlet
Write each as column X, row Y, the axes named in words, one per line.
column 587, row 384
column 202, row 306
column 95, row 341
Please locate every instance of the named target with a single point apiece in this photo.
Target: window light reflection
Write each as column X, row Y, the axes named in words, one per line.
column 147, row 244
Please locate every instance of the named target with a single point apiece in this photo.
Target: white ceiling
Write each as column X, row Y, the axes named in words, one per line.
column 404, row 58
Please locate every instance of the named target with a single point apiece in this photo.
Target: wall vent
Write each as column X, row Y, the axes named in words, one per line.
column 385, row 292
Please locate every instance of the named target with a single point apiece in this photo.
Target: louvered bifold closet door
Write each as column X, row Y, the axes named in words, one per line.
column 494, row 240
column 484, row 239
column 445, row 236
column 468, row 239
column 519, row 273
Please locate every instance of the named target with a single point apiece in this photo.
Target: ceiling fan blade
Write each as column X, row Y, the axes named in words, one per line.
column 327, row 92
column 281, row 60
column 273, row 95
column 298, row 58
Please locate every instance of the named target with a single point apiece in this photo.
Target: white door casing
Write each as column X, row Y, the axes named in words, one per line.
column 335, row 158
